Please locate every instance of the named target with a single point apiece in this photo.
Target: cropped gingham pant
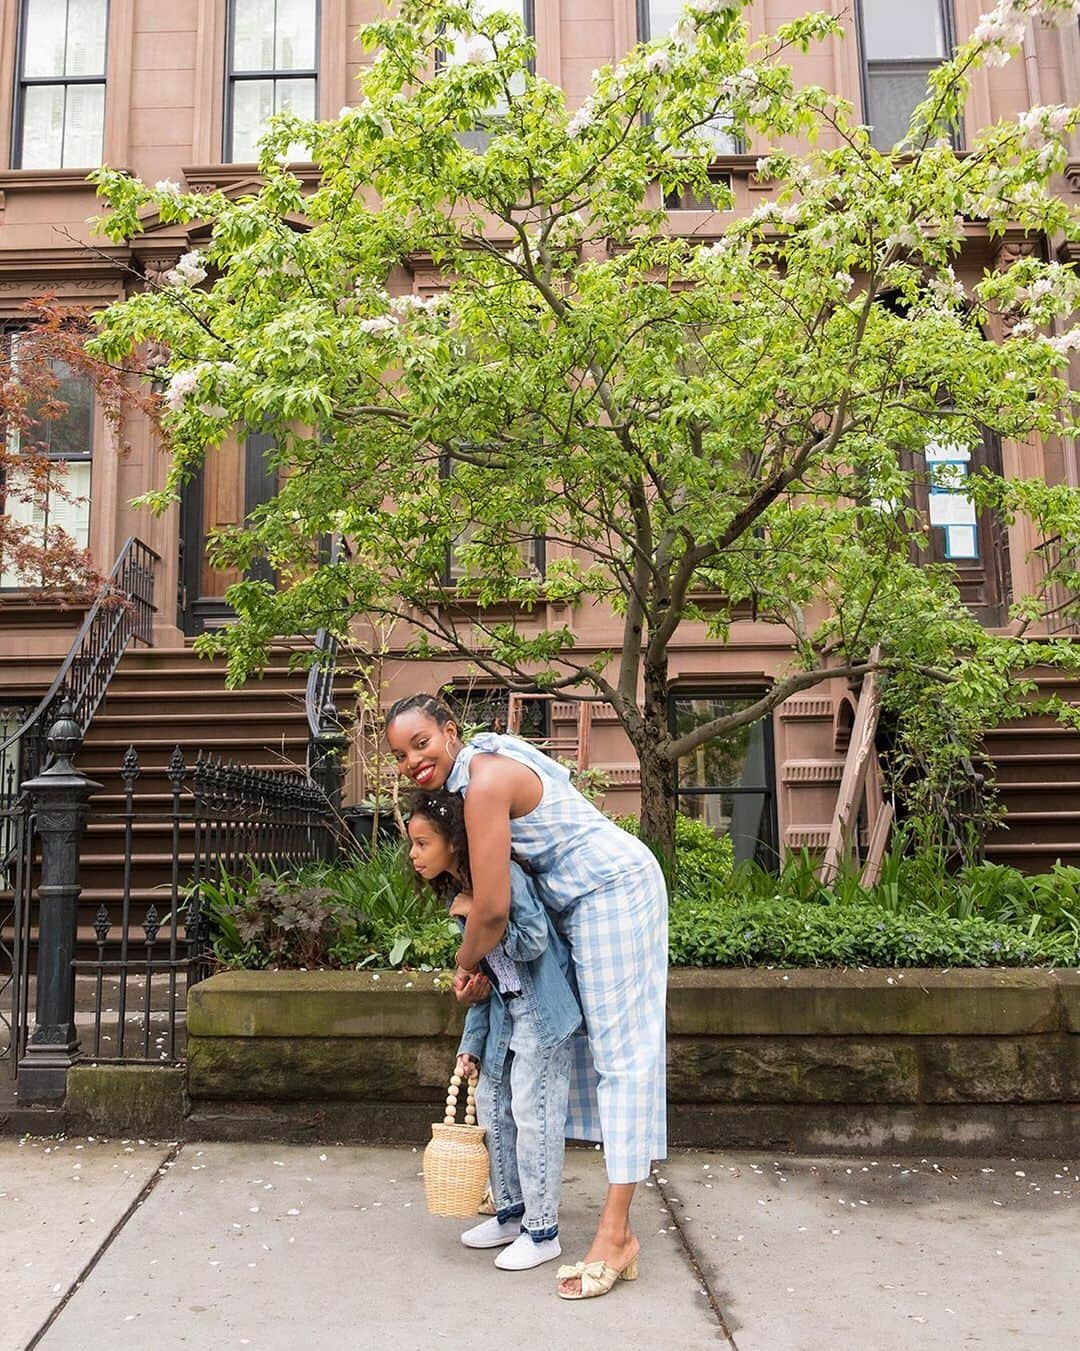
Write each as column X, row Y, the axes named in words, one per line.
column 618, row 938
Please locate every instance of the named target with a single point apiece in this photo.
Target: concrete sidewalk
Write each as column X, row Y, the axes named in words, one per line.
column 328, row 1248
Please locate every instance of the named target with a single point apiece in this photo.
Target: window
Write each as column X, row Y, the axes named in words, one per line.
column 60, row 104
column 66, row 443
column 951, row 510
column 973, row 542
column 657, row 17
column 901, row 45
column 487, row 708
column 530, row 547
column 728, row 781
column 459, row 49
column 272, row 47
column 462, row 47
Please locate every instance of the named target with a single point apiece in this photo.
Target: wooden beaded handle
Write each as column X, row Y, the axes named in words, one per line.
column 452, row 1100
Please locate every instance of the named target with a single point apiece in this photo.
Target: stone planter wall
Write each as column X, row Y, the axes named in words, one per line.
column 917, row 1061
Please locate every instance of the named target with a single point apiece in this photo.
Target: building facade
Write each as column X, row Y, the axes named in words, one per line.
column 180, row 92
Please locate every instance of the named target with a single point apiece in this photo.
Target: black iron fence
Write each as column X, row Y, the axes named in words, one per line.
column 120, row 994
column 123, row 613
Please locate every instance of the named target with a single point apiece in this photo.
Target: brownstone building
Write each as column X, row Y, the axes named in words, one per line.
column 179, row 92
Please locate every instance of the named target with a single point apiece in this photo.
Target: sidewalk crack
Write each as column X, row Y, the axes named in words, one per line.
column 106, row 1243
column 694, row 1264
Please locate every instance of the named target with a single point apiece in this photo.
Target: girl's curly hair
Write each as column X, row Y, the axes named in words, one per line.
column 446, row 813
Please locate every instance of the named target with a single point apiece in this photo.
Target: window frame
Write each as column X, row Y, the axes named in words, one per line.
column 904, row 65
column 23, row 82
column 528, row 18
column 9, row 334
column 461, row 692
column 738, row 145
column 447, row 580
column 234, row 77
column 769, row 849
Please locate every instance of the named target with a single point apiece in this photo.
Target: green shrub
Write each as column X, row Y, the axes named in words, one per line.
column 721, row 933
column 367, row 912
column 274, row 921
column 370, row 912
column 701, row 856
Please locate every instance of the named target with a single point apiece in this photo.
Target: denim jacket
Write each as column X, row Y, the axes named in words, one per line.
column 547, row 984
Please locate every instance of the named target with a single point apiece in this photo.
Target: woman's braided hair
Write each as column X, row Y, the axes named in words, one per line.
column 430, row 704
column 446, row 813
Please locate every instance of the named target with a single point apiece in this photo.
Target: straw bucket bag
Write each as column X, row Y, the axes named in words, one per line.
column 456, row 1159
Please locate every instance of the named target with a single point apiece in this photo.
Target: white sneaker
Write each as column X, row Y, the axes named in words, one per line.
column 524, row 1253
column 491, row 1234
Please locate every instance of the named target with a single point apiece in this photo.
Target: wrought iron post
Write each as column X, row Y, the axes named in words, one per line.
column 58, row 797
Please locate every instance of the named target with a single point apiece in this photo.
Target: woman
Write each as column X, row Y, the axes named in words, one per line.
column 606, row 893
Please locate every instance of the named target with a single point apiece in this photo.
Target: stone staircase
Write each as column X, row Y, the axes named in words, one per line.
column 160, row 699
column 1037, row 767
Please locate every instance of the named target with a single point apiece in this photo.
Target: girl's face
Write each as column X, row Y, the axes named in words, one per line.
column 430, row 852
column 424, row 751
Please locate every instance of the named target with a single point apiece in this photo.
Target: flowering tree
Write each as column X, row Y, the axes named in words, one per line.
column 695, row 425
column 48, row 384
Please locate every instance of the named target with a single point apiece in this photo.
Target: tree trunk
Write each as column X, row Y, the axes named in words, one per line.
column 657, row 826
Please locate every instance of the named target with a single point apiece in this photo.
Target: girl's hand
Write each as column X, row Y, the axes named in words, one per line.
column 462, row 905
column 467, row 1066
column 471, row 987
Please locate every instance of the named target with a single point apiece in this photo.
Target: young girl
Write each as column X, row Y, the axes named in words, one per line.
column 520, row 1036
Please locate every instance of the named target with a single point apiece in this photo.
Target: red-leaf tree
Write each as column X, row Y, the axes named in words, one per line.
column 50, row 391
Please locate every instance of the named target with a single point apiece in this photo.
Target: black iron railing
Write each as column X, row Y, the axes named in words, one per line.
column 226, row 821
column 123, row 613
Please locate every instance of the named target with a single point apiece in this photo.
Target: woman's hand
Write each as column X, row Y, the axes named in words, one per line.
column 462, row 904
column 466, row 1066
column 471, row 987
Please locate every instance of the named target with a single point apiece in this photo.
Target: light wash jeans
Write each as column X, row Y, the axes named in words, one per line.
column 524, row 1114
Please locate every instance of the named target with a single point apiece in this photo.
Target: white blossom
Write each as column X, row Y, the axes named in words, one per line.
column 947, row 286
column 166, row 186
column 478, row 51
column 581, row 119
column 414, row 304
column 1064, row 344
column 658, row 61
column 685, row 33
column 189, row 271
column 181, row 384
column 380, row 324
column 905, row 238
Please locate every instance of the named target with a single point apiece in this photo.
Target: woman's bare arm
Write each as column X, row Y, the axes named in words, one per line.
column 498, row 789
column 487, row 823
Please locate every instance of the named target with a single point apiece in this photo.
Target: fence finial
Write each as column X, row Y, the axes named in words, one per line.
column 65, row 736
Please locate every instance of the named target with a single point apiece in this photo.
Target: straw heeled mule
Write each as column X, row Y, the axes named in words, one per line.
column 597, row 1278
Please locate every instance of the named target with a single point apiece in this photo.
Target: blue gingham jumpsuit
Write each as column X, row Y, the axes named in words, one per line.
column 606, row 894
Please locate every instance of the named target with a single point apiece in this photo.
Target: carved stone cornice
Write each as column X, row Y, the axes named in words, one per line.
column 80, row 276
column 238, row 178
column 45, row 180
column 1072, row 174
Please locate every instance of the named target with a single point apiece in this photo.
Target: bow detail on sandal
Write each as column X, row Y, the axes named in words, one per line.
column 597, row 1278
